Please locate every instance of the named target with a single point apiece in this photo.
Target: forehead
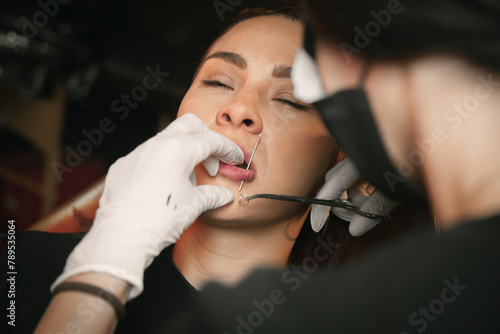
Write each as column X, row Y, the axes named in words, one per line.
column 274, row 38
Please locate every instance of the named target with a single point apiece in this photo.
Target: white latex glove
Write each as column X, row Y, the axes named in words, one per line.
column 150, row 197
column 340, row 183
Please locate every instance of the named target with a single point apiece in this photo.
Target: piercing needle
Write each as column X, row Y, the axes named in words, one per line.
column 251, row 158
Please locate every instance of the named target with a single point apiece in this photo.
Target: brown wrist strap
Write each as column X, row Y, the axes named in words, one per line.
column 94, row 290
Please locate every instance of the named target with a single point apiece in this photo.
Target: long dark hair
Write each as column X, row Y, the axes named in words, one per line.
column 331, row 242
column 468, row 28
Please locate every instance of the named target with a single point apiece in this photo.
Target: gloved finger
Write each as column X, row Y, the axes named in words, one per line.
column 211, row 143
column 377, row 203
column 192, row 178
column 356, row 199
column 338, row 180
column 211, row 165
column 319, row 214
column 360, row 225
column 186, row 124
column 357, row 196
column 212, row 197
column 343, row 214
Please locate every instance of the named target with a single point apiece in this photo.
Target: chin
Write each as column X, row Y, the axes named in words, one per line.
column 258, row 212
column 232, row 214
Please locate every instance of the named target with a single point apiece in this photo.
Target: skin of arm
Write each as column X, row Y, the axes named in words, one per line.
column 81, row 312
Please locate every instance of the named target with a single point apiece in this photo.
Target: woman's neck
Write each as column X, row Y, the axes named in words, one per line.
column 206, row 252
column 454, row 136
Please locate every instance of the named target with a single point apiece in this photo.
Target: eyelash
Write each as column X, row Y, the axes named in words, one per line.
column 216, row 83
column 298, row 106
column 295, row 105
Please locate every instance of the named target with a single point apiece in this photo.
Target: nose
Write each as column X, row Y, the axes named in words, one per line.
column 242, row 112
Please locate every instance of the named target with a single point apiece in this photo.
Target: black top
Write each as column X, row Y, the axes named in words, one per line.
column 419, row 283
column 40, row 258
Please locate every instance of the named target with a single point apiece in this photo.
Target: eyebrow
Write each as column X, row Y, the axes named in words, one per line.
column 230, row 57
column 282, row 71
column 279, row 71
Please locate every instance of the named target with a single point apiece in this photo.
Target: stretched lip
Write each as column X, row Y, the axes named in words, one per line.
column 239, row 173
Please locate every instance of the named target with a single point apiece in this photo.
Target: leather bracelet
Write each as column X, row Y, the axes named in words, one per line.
column 94, row 290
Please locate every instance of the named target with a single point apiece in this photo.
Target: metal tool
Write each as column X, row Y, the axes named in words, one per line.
column 251, row 158
column 244, row 201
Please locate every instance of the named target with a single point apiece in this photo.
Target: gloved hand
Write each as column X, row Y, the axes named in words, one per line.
column 343, row 179
column 150, row 197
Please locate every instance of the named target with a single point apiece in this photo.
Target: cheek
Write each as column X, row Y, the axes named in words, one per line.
column 185, row 105
column 302, row 160
column 192, row 104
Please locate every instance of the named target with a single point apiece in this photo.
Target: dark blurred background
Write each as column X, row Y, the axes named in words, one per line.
column 72, row 93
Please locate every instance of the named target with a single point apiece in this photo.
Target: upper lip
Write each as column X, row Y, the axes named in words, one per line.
column 247, row 156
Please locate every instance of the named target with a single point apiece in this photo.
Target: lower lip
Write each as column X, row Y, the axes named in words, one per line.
column 236, row 173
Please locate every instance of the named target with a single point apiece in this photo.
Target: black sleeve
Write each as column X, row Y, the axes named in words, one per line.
column 40, row 257
column 416, row 284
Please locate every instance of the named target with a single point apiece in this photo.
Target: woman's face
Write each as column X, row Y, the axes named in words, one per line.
column 243, row 89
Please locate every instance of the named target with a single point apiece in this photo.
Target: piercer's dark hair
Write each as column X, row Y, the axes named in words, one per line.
column 467, row 28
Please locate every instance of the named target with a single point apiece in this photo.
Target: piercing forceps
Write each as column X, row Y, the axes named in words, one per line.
column 338, row 203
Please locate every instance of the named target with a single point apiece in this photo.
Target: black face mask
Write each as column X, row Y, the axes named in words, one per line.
column 348, row 116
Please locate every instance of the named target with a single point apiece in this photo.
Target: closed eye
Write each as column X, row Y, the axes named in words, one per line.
column 216, row 83
column 295, row 105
